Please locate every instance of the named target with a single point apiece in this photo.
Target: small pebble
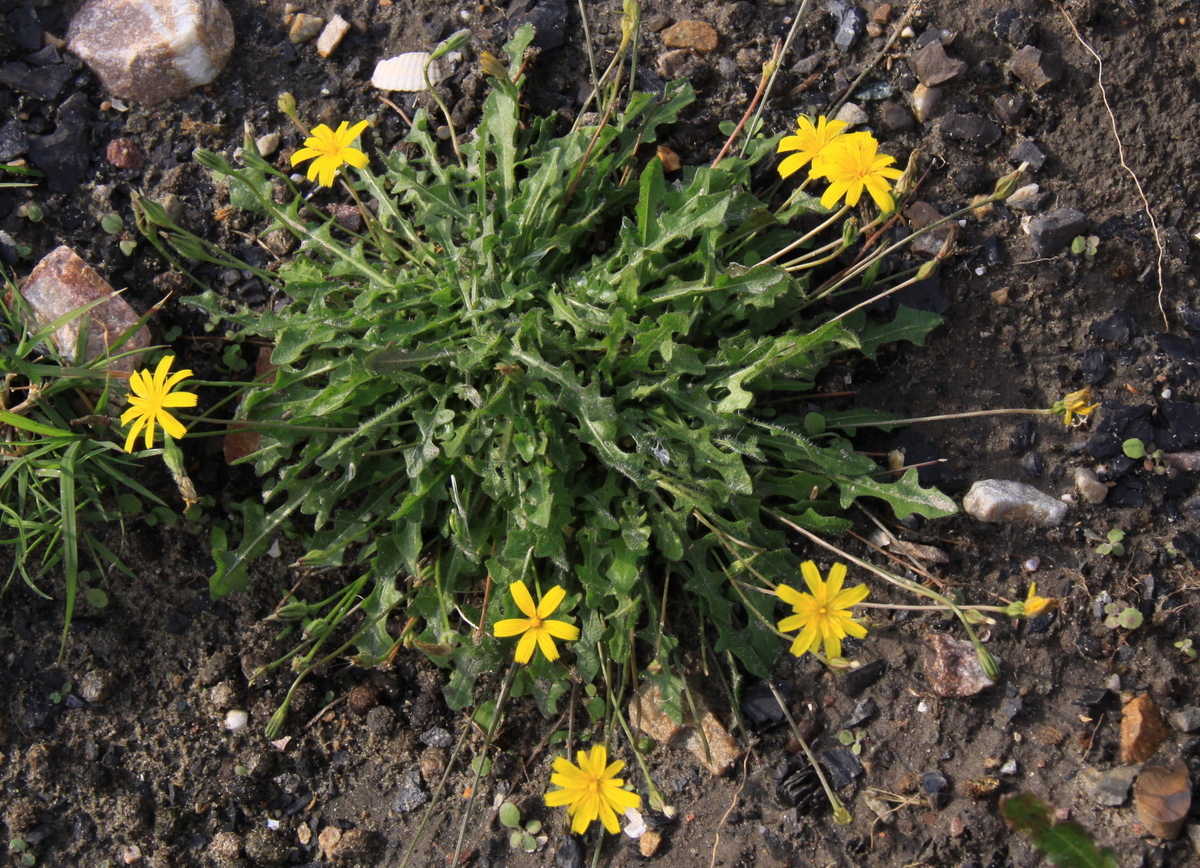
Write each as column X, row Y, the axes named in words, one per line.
column 1089, row 485
column 236, row 720
column 852, row 114
column 267, row 145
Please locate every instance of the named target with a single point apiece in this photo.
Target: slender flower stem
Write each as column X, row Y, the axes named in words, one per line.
column 971, row 414
column 841, row 212
column 840, row 814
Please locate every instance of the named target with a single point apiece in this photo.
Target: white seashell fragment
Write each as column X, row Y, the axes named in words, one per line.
column 235, row 721
column 405, row 72
column 923, row 100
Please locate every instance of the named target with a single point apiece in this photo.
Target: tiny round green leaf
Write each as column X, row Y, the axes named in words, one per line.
column 112, row 223
column 510, row 815
column 96, row 598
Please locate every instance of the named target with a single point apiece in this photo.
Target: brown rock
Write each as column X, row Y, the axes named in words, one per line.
column 882, row 13
column 305, row 28
column 149, row 51
column 952, row 667
column 647, row 712
column 362, row 699
column 932, row 66
column 61, row 283
column 125, row 153
column 333, row 34
column 1142, row 730
column 1163, row 796
column 433, row 763
column 1035, row 67
column 649, row 843
column 696, row 35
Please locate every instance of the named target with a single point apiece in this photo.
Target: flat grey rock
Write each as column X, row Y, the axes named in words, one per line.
column 1003, row 501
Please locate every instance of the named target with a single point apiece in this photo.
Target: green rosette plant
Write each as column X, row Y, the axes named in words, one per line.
column 545, row 360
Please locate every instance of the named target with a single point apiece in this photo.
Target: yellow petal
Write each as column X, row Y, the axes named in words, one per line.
column 855, row 629
column 788, row 594
column 558, row 798
column 149, row 432
column 546, row 643
column 524, row 652
column 521, row 597
column 179, row 399
column 304, row 154
column 608, row 818
column 171, row 425
column 550, row 601
column 133, row 432
column 837, row 575
column 792, row 622
column 805, row 640
column 833, row 647
column 792, row 164
column 850, row 597
column 355, row 158
column 561, row 630
column 510, row 627
column 812, row 577
column 160, row 372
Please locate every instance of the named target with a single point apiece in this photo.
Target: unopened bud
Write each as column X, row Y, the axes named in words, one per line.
column 492, row 66
column 1007, row 185
column 927, row 269
column 988, row 663
column 287, row 104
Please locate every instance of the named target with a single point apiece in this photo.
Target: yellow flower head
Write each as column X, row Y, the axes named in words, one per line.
column 852, row 164
column 823, row 615
column 1075, row 404
column 810, row 142
column 151, row 396
column 329, row 150
column 536, row 628
column 591, row 790
column 1035, row 605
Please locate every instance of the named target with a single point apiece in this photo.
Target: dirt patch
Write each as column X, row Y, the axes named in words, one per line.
column 133, row 761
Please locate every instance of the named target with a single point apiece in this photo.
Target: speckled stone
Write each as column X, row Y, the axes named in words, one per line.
column 952, row 667
column 150, row 51
column 62, row 282
column 1005, row 501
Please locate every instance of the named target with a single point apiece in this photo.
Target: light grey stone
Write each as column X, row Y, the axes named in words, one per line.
column 1008, row 502
column 1089, row 485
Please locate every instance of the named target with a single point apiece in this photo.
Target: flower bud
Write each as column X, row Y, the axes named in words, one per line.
column 988, row 663
column 1007, row 185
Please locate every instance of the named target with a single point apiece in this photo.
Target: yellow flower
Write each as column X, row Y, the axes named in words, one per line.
column 852, row 165
column 823, row 614
column 1035, row 605
column 810, row 141
column 329, row 150
column 151, row 396
column 1075, row 404
column 591, row 790
column 538, row 631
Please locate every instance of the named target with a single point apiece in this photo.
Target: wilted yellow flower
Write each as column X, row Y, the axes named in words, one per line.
column 823, row 615
column 536, row 628
column 810, row 142
column 591, row 790
column 151, row 397
column 329, row 150
column 1035, row 605
column 1075, row 404
column 852, row 164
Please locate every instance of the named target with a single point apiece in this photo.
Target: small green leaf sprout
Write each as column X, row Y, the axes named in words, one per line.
column 1122, row 617
column 1186, row 649
column 1115, row 545
column 1085, row 246
column 525, row 836
column 853, row 740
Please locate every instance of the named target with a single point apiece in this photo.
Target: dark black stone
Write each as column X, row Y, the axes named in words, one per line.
column 896, row 117
column 1184, row 350
column 26, row 28
column 976, row 130
column 863, row 711
column 1090, row 646
column 972, row 179
column 1097, row 696
column 1129, row 491
column 842, row 765
column 13, row 140
column 1040, row 623
column 1118, row 328
column 64, row 154
column 1118, row 424
column 1010, row 108
column 800, row 787
column 1190, row 317
column 1054, row 231
column 1183, row 421
column 569, row 853
column 1011, row 707
column 760, row 706
column 934, row 782
column 850, row 28
column 854, row 682
column 40, row 82
column 1027, row 152
column 549, row 20
column 1023, row 436
column 1013, row 27
column 993, row 252
column 1188, row 544
column 1094, row 364
column 1033, row 464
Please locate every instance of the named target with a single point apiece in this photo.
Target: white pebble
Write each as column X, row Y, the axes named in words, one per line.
column 1167, row 393
column 636, row 827
column 235, row 721
column 1009, row 768
column 981, row 271
column 273, row 551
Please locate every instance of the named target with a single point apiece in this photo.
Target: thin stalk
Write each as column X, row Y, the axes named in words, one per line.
column 833, row 218
column 587, row 39
column 840, row 814
column 900, row 25
column 787, row 43
column 767, row 71
column 501, row 699
column 1018, row 411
